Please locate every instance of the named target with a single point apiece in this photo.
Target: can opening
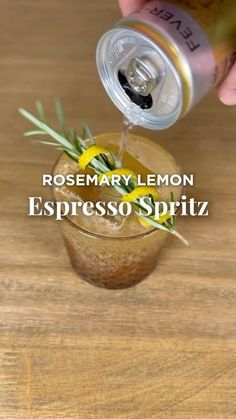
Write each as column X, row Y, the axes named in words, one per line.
column 144, row 102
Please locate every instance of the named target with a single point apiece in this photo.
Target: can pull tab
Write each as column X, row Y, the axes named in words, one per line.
column 142, row 75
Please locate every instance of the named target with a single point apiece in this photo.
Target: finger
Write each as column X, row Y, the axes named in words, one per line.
column 227, row 89
column 129, row 6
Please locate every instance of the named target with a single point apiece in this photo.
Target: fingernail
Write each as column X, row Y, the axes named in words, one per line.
column 229, row 97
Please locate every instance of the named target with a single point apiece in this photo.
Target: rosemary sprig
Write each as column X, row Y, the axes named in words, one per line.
column 74, row 145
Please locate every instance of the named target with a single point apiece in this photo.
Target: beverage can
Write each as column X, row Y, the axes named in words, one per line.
column 159, row 62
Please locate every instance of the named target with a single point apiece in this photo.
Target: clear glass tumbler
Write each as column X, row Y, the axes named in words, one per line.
column 109, row 258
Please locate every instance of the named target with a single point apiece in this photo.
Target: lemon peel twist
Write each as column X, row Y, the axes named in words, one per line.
column 161, row 219
column 139, row 192
column 121, row 171
column 90, row 153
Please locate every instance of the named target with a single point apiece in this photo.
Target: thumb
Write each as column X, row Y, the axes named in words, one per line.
column 227, row 89
column 129, row 6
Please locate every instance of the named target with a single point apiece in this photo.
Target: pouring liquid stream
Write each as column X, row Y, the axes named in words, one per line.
column 127, row 126
column 133, row 116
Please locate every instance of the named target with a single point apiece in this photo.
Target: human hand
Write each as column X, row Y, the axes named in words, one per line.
column 226, row 91
column 129, row 6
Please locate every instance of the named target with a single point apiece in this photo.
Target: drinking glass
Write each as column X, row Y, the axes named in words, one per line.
column 103, row 256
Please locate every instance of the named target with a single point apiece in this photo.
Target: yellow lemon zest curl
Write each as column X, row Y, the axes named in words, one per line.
column 162, row 219
column 88, row 155
column 139, row 192
column 121, row 171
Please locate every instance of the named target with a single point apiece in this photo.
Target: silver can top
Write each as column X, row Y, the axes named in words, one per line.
column 140, row 78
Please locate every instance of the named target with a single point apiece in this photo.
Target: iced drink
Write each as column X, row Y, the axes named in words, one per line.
column 114, row 251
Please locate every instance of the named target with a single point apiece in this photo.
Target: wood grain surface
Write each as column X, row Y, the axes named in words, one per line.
column 163, row 349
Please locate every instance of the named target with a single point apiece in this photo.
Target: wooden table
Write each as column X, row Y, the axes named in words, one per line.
column 163, row 349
